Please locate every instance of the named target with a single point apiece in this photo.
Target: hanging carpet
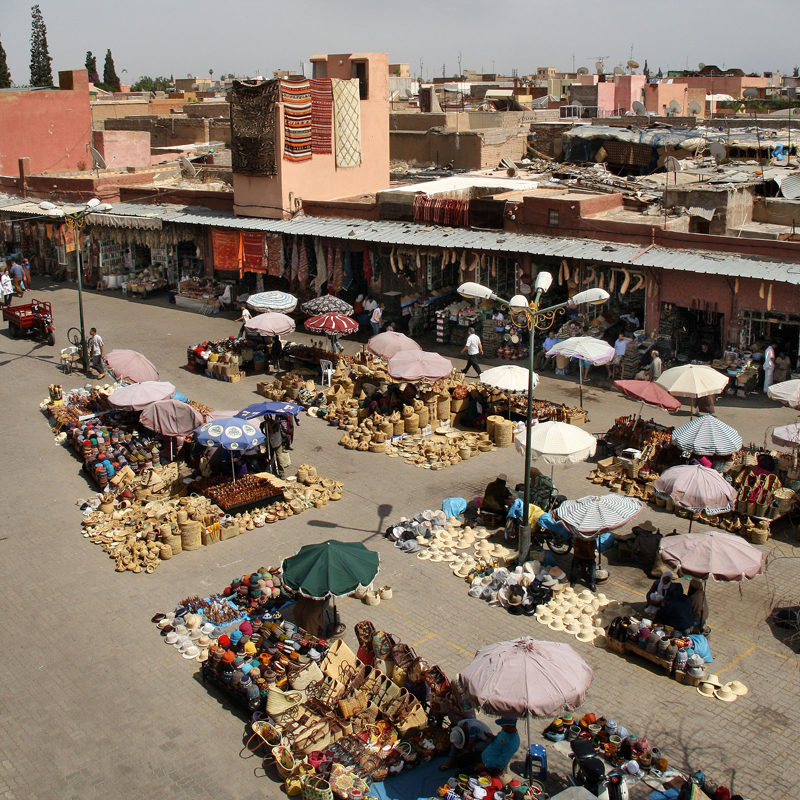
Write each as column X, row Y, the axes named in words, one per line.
column 347, row 116
column 253, row 128
column 225, row 246
column 254, row 251
column 453, row 213
column 274, row 249
column 296, row 97
column 321, row 116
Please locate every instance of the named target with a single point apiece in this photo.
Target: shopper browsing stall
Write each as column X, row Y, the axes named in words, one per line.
column 499, row 752
column 468, row 739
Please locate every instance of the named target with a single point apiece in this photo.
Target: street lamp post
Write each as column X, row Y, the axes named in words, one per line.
column 75, row 221
column 529, row 317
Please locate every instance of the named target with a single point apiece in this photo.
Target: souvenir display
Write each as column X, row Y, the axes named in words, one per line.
column 227, row 359
column 228, row 494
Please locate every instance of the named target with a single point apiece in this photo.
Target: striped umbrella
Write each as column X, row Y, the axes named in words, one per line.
column 272, row 301
column 697, row 488
column 707, row 436
column 332, row 324
column 593, row 515
column 787, row 392
column 327, row 303
column 787, row 435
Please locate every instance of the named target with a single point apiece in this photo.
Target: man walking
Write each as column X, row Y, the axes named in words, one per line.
column 96, row 351
column 375, row 319
column 17, row 274
column 472, row 348
column 244, row 319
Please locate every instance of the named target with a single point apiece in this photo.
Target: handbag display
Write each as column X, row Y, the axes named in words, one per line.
column 307, row 674
column 316, row 788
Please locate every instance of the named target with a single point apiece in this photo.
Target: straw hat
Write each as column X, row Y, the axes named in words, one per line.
column 464, row 569
column 714, row 681
column 586, row 596
column 558, row 574
column 737, row 688
column 725, row 695
column 424, row 555
column 600, row 640
column 706, row 689
column 532, row 567
column 559, row 611
column 585, row 635
column 573, row 627
column 556, row 625
column 435, row 556
column 602, row 599
column 482, row 533
column 544, row 615
column 454, row 522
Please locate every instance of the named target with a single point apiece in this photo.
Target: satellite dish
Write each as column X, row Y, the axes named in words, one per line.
column 583, row 71
column 633, row 64
column 619, row 71
column 672, row 164
column 98, row 162
column 188, row 169
column 408, row 93
column 750, row 93
column 639, row 108
column 598, row 65
column 717, row 151
column 695, row 108
column 675, row 106
column 701, row 65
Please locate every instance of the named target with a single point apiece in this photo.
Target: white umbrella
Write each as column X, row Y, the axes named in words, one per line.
column 558, row 443
column 271, row 323
column 787, row 435
column 509, row 378
column 787, row 392
column 586, row 348
column 707, row 436
column 692, row 380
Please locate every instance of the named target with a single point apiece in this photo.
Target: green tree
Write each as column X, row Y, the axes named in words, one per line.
column 91, row 67
column 5, row 75
column 110, row 78
column 148, row 84
column 41, row 63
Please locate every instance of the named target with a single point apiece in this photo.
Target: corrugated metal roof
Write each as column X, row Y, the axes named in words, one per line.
column 705, row 213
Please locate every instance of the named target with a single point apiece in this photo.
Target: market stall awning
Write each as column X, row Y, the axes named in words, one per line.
column 558, row 443
column 330, row 568
column 267, row 408
column 707, row 436
column 787, row 435
column 129, row 365
column 171, row 417
column 787, row 392
column 712, row 554
column 272, row 301
column 697, row 488
column 509, row 378
column 332, row 323
column 231, row 433
column 271, row 323
column 649, row 393
column 390, row 343
column 417, row 365
column 138, row 395
column 327, row 303
column 590, row 516
column 692, row 380
column 586, row 348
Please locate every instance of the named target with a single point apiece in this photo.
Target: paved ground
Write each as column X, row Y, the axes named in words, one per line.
column 94, row 706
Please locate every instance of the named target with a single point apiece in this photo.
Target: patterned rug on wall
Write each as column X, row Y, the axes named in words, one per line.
column 347, row 118
column 253, row 128
column 321, row 116
column 296, row 96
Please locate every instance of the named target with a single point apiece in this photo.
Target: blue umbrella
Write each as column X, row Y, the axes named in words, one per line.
column 269, row 407
column 231, row 433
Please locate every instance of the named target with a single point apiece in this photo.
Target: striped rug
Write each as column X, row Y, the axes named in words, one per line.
column 296, row 97
column 321, row 116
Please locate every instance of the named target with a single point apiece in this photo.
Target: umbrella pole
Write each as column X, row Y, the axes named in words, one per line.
column 233, row 468
column 527, row 771
column 691, row 520
column 580, row 380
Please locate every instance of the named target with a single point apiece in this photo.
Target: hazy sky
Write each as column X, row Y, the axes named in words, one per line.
column 159, row 37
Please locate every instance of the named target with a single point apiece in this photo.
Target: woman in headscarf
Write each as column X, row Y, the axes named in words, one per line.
column 697, row 596
column 676, row 610
column 658, row 592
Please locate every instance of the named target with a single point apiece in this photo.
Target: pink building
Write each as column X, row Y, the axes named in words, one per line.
column 658, row 97
column 337, row 145
column 629, row 89
column 51, row 127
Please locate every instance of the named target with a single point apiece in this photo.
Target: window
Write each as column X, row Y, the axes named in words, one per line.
column 553, row 219
column 360, row 72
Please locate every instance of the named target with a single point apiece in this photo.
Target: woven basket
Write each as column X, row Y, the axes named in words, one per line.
column 443, row 407
column 759, row 535
column 173, row 540
column 279, row 703
column 411, row 423
column 165, row 552
column 503, row 433
column 377, row 447
column 491, row 421
column 311, row 673
column 464, row 453
column 424, row 417
column 192, row 535
column 399, row 428
column 387, row 428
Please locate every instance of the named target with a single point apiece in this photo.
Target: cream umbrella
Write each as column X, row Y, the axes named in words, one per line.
column 692, row 380
column 787, row 392
column 558, row 443
column 586, row 348
column 509, row 378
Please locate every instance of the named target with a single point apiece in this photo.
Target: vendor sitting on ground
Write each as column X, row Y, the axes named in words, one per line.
column 697, row 597
column 677, row 610
column 658, row 592
column 499, row 752
column 468, row 739
column 497, row 498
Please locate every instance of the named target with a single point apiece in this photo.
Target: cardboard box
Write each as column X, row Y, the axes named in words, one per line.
column 610, row 466
column 235, row 378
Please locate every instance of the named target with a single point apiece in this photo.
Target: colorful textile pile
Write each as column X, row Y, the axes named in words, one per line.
column 347, row 115
column 253, row 128
column 441, row 212
column 321, row 116
column 296, row 97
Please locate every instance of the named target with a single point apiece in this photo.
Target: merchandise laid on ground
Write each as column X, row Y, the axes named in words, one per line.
column 200, row 295
column 148, row 282
column 228, row 359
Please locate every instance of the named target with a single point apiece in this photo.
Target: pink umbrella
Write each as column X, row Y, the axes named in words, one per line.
column 696, row 488
column 787, row 435
column 138, row 395
column 128, row 365
column 333, row 323
column 171, row 417
column 649, row 392
column 526, row 677
column 272, row 323
column 389, row 344
column 714, row 554
column 416, row 365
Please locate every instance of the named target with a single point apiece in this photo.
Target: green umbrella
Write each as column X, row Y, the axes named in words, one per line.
column 330, row 568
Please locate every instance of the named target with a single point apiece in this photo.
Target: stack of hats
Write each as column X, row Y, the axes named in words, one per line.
column 518, row 591
column 577, row 613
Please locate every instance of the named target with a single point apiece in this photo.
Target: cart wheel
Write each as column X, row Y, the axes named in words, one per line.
column 558, row 544
column 12, row 331
column 51, row 339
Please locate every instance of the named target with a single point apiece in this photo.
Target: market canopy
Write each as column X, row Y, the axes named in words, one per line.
column 586, row 348
column 171, row 417
column 787, row 392
column 417, row 365
column 509, row 378
column 390, row 343
column 131, row 366
column 330, row 568
column 650, row 393
column 692, row 380
column 270, row 323
column 268, row 408
column 326, row 304
column 332, row 323
column 707, row 436
column 231, row 434
column 138, row 395
column 526, row 677
column 590, row 516
column 272, row 301
column 558, row 443
column 713, row 554
column 696, row 488
column 787, row 435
